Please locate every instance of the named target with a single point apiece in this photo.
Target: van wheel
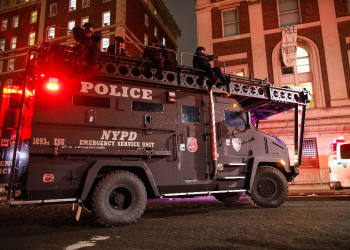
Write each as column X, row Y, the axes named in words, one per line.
column 119, row 199
column 270, row 188
column 227, row 198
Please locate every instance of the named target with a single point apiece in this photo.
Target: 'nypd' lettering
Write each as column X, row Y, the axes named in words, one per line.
column 118, row 135
column 114, row 90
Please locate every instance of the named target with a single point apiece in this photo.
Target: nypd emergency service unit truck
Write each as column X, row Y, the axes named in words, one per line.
column 111, row 139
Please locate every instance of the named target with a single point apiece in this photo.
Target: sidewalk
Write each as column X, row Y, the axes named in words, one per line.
column 317, row 189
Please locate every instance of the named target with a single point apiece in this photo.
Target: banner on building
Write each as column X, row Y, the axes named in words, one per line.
column 289, row 45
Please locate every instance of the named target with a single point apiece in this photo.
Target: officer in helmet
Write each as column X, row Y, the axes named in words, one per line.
column 119, row 50
column 158, row 54
column 201, row 61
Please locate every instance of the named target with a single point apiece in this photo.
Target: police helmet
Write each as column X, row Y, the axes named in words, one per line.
column 200, row 48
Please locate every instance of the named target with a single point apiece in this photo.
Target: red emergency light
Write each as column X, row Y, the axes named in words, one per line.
column 339, row 139
column 171, row 97
column 52, row 86
column 11, row 89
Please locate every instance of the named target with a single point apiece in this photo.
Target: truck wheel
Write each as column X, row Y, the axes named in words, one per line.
column 270, row 188
column 227, row 198
column 119, row 199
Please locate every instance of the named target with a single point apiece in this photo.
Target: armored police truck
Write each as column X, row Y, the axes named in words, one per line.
column 111, row 139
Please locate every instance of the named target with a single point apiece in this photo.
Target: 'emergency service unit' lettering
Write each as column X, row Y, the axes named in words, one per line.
column 116, row 138
column 114, row 90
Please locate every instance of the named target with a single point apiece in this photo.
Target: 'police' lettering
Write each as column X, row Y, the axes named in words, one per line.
column 112, row 90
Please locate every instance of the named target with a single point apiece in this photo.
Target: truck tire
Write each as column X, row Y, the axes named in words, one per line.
column 225, row 198
column 270, row 188
column 119, row 199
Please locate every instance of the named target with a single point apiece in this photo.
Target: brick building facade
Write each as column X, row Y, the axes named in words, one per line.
column 246, row 34
column 26, row 23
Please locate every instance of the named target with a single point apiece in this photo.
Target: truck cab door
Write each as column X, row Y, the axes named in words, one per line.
column 191, row 139
column 233, row 132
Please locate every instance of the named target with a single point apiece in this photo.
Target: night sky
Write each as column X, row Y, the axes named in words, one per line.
column 185, row 17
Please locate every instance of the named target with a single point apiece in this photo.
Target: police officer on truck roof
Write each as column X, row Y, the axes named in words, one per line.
column 158, row 54
column 201, row 61
column 88, row 29
column 120, row 51
column 87, row 51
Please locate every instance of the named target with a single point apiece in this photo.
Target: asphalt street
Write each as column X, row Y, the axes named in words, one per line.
column 302, row 222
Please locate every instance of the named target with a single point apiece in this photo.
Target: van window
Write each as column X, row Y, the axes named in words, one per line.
column 147, row 107
column 91, row 101
column 234, row 119
column 190, row 114
column 345, row 151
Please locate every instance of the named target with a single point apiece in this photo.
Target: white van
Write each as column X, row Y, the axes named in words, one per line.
column 339, row 163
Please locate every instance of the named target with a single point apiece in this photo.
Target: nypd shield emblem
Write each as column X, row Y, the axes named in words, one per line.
column 192, row 144
column 236, row 144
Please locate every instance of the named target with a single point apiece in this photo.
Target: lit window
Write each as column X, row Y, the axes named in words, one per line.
column 289, row 12
column 105, row 44
column 1, row 66
column 71, row 25
column 155, row 32
column 164, row 42
column 34, row 17
column 15, row 21
column 4, row 24
column 85, row 3
column 52, row 32
column 303, row 63
column 11, row 64
column 53, row 9
column 146, row 20
column 155, row 12
column 145, row 40
column 106, row 18
column 84, row 20
column 31, row 38
column 230, row 22
column 72, row 5
column 2, row 44
column 13, row 42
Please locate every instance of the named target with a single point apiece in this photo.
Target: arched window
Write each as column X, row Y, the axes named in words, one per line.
column 307, row 72
column 301, row 74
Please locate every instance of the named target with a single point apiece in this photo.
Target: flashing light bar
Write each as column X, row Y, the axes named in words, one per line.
column 52, row 86
column 339, row 139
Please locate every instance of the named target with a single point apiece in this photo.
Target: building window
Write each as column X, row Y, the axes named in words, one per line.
column 155, row 12
column 15, row 21
column 34, row 17
column 164, row 42
column 4, row 24
column 53, row 9
column 289, row 12
column 13, row 42
column 303, row 62
column 11, row 64
column 2, row 45
column 106, row 18
column 155, row 32
column 146, row 20
column 52, row 32
column 104, row 44
column 145, row 42
column 70, row 26
column 31, row 38
column 1, row 66
column 85, row 3
column 230, row 22
column 72, row 5
column 84, row 20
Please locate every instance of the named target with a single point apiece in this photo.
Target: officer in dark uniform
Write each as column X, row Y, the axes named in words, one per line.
column 158, row 54
column 120, row 51
column 87, row 51
column 201, row 61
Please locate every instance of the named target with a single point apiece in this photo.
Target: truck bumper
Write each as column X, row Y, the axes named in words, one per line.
column 295, row 170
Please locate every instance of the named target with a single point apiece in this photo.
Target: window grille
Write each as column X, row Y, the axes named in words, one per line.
column 310, row 154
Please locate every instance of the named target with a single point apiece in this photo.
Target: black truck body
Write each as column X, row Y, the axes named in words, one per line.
column 111, row 139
